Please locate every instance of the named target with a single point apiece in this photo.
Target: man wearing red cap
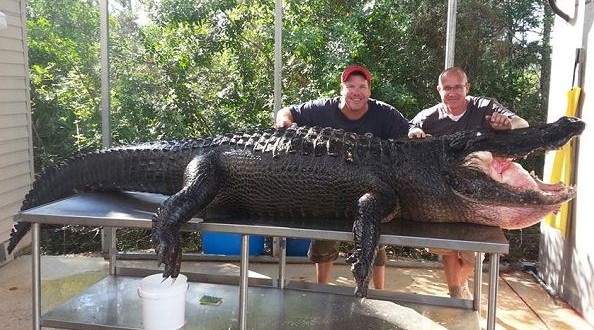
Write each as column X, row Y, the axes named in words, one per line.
column 353, row 111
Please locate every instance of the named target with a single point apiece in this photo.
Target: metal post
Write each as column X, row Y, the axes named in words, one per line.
column 451, row 33
column 478, row 281
column 107, row 235
column 243, row 281
column 105, row 102
column 282, row 261
column 113, row 252
column 492, row 299
column 278, row 61
column 36, row 270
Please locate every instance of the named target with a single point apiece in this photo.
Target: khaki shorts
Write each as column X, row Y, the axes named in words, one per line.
column 467, row 257
column 324, row 251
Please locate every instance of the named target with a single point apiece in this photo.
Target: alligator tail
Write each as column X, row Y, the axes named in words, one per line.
column 151, row 167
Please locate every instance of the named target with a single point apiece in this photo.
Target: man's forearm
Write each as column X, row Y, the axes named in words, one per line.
column 518, row 122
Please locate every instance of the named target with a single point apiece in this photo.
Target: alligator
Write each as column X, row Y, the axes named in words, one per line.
column 323, row 173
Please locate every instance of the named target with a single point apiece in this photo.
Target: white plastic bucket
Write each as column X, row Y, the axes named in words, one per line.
column 163, row 302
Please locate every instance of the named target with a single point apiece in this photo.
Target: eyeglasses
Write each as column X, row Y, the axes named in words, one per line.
column 448, row 89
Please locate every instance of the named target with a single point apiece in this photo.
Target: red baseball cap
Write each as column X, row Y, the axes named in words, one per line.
column 355, row 68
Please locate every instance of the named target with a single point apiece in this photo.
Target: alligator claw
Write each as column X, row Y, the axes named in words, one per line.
column 360, row 272
column 361, row 275
column 169, row 253
column 361, row 291
column 352, row 257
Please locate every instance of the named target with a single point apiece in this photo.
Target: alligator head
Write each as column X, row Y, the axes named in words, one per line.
column 495, row 190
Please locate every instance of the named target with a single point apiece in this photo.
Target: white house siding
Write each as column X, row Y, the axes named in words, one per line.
column 567, row 263
column 16, row 151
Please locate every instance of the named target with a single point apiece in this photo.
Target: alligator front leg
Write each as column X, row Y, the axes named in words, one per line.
column 372, row 209
column 201, row 183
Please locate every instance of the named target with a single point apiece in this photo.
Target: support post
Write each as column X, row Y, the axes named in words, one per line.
column 493, row 283
column 451, row 33
column 282, row 261
column 243, row 281
column 36, row 271
column 478, row 281
column 278, row 52
column 106, row 237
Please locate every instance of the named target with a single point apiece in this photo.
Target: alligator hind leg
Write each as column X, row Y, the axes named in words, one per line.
column 372, row 209
column 201, row 184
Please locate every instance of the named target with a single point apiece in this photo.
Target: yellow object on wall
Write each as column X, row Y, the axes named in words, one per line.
column 563, row 166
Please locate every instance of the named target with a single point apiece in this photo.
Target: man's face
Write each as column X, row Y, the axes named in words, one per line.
column 453, row 88
column 355, row 92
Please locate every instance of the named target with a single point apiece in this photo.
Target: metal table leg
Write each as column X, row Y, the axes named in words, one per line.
column 36, row 270
column 282, row 261
column 243, row 283
column 492, row 299
column 478, row 281
column 112, row 250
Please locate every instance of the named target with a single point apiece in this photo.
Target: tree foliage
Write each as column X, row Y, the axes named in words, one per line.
column 63, row 60
column 204, row 67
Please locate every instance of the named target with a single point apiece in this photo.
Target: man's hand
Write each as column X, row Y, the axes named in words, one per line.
column 283, row 123
column 499, row 121
column 284, row 118
column 417, row 133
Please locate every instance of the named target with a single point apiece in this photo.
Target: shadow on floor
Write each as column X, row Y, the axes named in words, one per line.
column 522, row 302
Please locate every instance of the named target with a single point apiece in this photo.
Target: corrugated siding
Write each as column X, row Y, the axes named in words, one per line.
column 16, row 164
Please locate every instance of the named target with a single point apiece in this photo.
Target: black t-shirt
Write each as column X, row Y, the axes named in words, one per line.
column 381, row 120
column 435, row 120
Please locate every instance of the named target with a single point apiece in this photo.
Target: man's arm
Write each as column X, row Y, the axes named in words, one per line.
column 502, row 118
column 500, row 121
column 414, row 126
column 284, row 118
column 518, row 122
column 417, row 133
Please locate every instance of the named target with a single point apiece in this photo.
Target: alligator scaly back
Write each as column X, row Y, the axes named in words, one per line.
column 321, row 173
column 158, row 167
column 145, row 167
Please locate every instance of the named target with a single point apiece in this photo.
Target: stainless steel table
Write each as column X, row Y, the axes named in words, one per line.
column 135, row 210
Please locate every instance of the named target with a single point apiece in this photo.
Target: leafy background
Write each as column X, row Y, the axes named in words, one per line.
column 204, row 67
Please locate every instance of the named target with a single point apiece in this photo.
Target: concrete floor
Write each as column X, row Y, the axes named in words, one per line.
column 522, row 302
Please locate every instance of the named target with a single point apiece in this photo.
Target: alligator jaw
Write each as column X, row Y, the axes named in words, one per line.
column 492, row 186
column 512, row 199
column 487, row 174
column 521, row 142
column 489, row 180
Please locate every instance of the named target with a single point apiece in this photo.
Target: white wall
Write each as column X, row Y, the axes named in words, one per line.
column 567, row 263
column 16, row 152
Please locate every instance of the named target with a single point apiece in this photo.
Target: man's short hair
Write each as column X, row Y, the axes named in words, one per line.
column 456, row 69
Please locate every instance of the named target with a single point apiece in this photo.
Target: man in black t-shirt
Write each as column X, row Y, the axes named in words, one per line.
column 353, row 111
column 460, row 112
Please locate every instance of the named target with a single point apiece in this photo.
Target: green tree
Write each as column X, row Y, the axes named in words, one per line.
column 201, row 68
column 63, row 57
column 205, row 67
